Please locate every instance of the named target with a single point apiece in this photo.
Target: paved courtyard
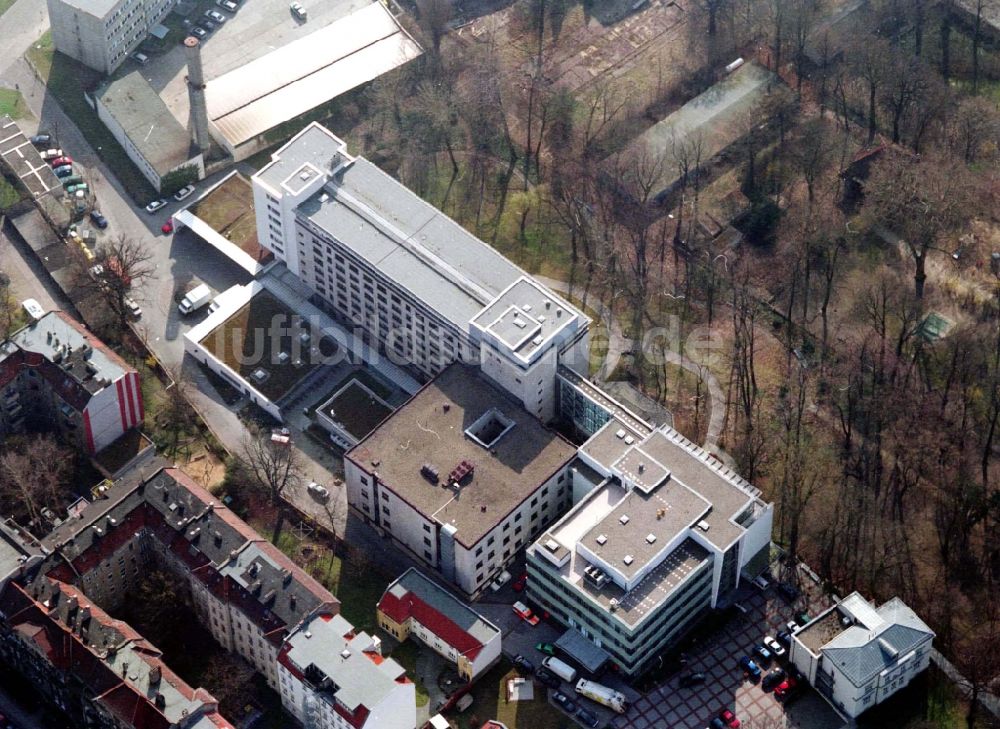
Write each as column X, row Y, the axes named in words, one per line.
column 670, row 706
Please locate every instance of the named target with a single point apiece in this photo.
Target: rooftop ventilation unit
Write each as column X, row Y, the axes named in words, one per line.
column 613, row 604
column 552, row 545
column 536, row 341
column 703, row 525
column 620, row 433
column 650, row 538
column 628, row 559
column 429, row 472
column 526, row 307
column 520, row 323
column 595, row 576
column 629, row 439
column 623, row 519
column 602, row 539
column 345, row 654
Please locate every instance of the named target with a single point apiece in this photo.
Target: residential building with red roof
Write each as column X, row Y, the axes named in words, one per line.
column 246, row 592
column 416, row 606
column 55, row 374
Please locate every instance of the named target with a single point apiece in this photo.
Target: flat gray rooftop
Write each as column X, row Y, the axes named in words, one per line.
column 633, row 606
column 12, row 553
column 611, row 442
column 641, row 525
column 147, row 121
column 430, row 429
column 359, row 680
column 729, row 495
column 526, row 316
column 411, row 242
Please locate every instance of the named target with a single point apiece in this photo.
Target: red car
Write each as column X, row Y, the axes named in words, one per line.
column 730, row 719
column 786, row 689
column 168, row 227
column 520, row 583
column 60, row 161
column 524, row 612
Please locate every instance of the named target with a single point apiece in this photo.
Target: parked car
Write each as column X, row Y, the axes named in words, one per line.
column 98, row 219
column 64, row 171
column 587, row 718
column 761, row 582
column 729, row 719
column 41, row 140
column 215, row 16
column 79, row 187
column 564, row 702
column 545, row 677
column 772, row 679
column 60, row 161
column 208, row 25
column 524, row 612
column 691, row 679
column 134, row 310
column 33, row 308
column 523, row 664
column 155, row 205
column 168, row 227
column 784, row 637
column 227, row 5
column 198, row 32
column 317, row 490
column 502, row 579
column 763, row 655
column 777, row 650
column 750, row 668
column 791, row 626
column 520, row 583
column 297, row 10
column 141, row 58
column 787, row 690
column 717, row 723
column 50, row 154
column 789, row 593
column 71, row 180
column 546, row 648
column 183, row 193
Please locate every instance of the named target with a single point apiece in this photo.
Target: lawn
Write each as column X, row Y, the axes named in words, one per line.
column 229, row 211
column 67, row 81
column 405, row 654
column 11, row 102
column 5, row 5
column 358, row 586
column 260, row 336
column 489, row 702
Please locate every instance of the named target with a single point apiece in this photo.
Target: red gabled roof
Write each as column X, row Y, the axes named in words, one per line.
column 410, row 606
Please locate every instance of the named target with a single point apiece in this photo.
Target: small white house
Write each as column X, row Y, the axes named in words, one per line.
column 857, row 655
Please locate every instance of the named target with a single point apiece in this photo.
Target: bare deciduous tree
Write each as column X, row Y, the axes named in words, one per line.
column 35, row 471
column 272, row 468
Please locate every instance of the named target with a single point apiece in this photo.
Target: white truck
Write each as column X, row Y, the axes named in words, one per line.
column 560, row 668
column 195, row 299
column 614, row 700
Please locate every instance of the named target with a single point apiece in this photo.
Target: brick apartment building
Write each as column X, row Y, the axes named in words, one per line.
column 248, row 594
column 56, row 375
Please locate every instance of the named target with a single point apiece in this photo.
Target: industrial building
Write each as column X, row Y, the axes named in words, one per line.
column 152, row 138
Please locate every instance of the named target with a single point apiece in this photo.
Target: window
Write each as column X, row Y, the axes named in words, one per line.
column 427, row 542
column 427, row 528
column 479, row 550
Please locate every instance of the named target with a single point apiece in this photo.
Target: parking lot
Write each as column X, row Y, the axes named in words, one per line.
column 725, row 687
column 717, row 656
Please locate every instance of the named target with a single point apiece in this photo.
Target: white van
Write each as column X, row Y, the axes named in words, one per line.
column 34, row 309
column 560, row 668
